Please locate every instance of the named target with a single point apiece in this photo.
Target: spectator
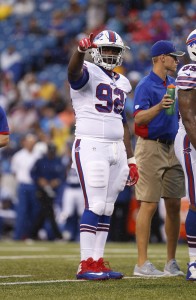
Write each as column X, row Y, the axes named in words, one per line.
column 158, row 27
column 5, row 10
column 142, row 64
column 118, row 21
column 19, row 31
column 29, row 116
column 47, row 88
column 35, row 28
column 23, row 7
column 137, row 28
column 57, row 55
column 29, row 88
column 164, row 177
column 49, row 121
column 57, row 27
column 11, row 61
column 95, row 15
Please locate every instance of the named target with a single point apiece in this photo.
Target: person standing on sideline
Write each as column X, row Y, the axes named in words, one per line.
column 160, row 172
column 26, row 209
column 101, row 158
column 185, row 145
column 48, row 175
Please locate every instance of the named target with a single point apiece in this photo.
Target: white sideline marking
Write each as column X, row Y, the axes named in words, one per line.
column 107, row 251
column 66, row 280
column 17, row 276
column 144, row 277
column 30, row 249
column 37, row 256
column 38, row 282
column 15, row 257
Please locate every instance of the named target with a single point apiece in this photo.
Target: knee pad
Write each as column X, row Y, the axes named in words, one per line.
column 97, row 174
column 109, row 208
column 98, row 206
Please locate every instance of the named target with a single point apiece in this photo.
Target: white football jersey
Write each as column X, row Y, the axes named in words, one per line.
column 98, row 100
column 185, row 80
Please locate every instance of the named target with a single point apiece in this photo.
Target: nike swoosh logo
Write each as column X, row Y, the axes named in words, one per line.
column 193, row 272
column 187, row 74
column 100, row 273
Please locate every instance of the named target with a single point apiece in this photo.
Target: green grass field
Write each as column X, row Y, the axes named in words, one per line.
column 46, row 270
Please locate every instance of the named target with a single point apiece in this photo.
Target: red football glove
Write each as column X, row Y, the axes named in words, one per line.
column 133, row 175
column 86, row 43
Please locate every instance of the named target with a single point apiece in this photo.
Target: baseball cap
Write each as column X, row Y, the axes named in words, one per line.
column 165, row 47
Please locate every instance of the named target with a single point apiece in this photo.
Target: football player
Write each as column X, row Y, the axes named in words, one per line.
column 185, row 144
column 4, row 129
column 102, row 152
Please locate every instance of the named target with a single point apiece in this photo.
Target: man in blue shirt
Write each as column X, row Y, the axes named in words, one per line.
column 48, row 174
column 160, row 172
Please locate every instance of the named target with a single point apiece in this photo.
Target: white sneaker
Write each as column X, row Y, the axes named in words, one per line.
column 147, row 270
column 172, row 269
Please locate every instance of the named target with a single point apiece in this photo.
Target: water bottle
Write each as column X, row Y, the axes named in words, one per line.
column 171, row 91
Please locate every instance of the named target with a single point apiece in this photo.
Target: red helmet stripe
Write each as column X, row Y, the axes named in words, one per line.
column 112, row 36
column 191, row 40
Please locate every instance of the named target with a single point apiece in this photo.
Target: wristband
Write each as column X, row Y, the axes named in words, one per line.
column 81, row 51
column 131, row 160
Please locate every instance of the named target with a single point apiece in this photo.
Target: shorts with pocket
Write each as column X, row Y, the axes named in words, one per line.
column 160, row 173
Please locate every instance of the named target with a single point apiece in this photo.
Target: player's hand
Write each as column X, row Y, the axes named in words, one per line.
column 86, row 43
column 133, row 175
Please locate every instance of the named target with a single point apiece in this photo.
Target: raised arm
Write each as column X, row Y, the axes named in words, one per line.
column 77, row 59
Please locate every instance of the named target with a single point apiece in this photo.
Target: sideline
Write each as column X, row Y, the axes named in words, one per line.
column 66, row 280
column 15, row 276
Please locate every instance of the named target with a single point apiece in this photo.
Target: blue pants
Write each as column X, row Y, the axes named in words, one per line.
column 26, row 211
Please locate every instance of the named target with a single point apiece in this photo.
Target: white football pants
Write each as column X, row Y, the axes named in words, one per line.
column 103, row 171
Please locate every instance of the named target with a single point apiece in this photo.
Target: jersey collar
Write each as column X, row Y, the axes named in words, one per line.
column 157, row 79
column 116, row 76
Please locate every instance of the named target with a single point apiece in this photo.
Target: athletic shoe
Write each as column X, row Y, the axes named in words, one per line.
column 191, row 272
column 172, row 269
column 104, row 266
column 88, row 270
column 147, row 270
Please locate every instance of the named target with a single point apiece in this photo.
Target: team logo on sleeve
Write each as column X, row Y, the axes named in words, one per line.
column 187, row 150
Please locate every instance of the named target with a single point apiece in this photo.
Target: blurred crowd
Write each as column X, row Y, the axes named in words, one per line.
column 37, row 40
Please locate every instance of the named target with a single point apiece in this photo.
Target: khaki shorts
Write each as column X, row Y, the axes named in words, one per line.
column 160, row 172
